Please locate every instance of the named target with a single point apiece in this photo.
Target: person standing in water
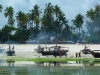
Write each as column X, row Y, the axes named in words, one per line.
column 76, row 54
column 79, row 54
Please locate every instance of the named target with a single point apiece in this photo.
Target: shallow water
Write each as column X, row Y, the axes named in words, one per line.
column 47, row 68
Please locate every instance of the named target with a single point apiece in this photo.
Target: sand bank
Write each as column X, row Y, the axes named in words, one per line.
column 27, row 50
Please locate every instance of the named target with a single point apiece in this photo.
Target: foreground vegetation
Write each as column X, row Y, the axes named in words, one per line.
column 54, row 59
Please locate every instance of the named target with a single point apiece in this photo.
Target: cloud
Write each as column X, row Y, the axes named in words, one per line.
column 70, row 7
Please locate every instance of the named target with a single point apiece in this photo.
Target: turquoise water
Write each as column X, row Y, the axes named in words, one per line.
column 46, row 68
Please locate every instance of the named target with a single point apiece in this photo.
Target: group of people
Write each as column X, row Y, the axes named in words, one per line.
column 11, row 49
column 55, row 52
column 78, row 54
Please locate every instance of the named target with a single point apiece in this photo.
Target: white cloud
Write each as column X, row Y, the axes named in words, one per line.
column 70, row 7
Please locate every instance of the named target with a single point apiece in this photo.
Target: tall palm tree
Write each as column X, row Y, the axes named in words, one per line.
column 21, row 19
column 9, row 12
column 91, row 14
column 97, row 10
column 47, row 20
column 22, row 26
column 35, row 12
column 78, row 22
column 57, row 10
column 48, row 17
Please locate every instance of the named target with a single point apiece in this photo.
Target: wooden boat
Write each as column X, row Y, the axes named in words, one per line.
column 95, row 53
column 55, row 50
column 86, row 50
column 10, row 51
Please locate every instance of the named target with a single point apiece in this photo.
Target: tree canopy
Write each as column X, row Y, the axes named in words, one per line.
column 50, row 24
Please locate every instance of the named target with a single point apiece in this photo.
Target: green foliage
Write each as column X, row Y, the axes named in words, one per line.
column 6, row 31
column 51, row 23
column 93, row 25
column 9, row 13
column 1, row 8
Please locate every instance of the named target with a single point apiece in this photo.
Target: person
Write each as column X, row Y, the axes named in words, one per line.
column 60, row 54
column 76, row 54
column 79, row 54
column 9, row 49
column 13, row 48
column 58, row 48
column 55, row 53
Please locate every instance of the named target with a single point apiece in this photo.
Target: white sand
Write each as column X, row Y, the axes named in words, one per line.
column 27, row 50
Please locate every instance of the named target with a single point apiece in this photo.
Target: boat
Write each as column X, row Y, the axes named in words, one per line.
column 86, row 50
column 39, row 48
column 10, row 51
column 95, row 53
column 55, row 50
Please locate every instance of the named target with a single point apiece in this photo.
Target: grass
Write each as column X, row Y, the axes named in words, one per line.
column 47, row 59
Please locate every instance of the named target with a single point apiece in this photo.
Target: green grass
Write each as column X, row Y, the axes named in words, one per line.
column 60, row 59
column 47, row 59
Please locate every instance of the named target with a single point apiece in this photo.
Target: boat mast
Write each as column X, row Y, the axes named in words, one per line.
column 56, row 39
column 45, row 40
column 8, row 41
column 85, row 44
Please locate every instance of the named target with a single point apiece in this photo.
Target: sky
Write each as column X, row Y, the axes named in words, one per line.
column 69, row 7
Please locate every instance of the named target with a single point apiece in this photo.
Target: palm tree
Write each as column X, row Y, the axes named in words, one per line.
column 21, row 19
column 57, row 10
column 22, row 26
column 35, row 12
column 9, row 12
column 91, row 14
column 48, row 18
column 78, row 22
column 1, row 8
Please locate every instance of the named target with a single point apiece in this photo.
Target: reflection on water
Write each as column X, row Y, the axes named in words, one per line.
column 49, row 68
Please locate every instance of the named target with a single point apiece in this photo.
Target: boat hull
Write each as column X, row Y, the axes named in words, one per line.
column 10, row 53
column 54, row 52
column 95, row 54
column 85, row 51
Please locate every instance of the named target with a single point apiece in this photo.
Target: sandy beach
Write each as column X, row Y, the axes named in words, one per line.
column 28, row 50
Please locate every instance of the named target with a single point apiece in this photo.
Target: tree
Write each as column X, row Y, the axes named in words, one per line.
column 4, row 32
column 90, row 14
column 1, row 8
column 0, row 11
column 9, row 12
column 47, row 20
column 34, row 20
column 35, row 12
column 78, row 21
column 22, row 32
column 93, row 25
